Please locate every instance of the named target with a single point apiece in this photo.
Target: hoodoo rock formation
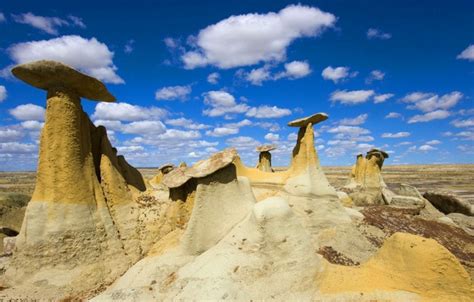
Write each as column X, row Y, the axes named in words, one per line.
column 162, row 171
column 305, row 175
column 265, row 158
column 219, row 230
column 79, row 221
column 220, row 202
column 366, row 185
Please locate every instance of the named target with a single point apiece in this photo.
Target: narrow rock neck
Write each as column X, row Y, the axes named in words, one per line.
column 65, row 95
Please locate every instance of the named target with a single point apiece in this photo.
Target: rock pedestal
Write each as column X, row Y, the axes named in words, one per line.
column 81, row 214
column 219, row 199
column 265, row 158
column 306, row 176
column 265, row 162
column 366, row 184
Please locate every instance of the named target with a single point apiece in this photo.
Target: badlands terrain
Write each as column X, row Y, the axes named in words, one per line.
column 88, row 225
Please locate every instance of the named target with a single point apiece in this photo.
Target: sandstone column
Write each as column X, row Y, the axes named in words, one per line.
column 265, row 158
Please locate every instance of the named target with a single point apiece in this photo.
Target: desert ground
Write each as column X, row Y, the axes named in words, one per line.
column 458, row 179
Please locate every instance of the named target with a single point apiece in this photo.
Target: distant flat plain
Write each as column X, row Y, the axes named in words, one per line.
column 458, row 179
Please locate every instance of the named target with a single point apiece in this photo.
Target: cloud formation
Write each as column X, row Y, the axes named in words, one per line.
column 375, row 33
column 395, row 135
column 48, row 24
column 358, row 120
column 351, row 97
column 433, row 106
column 375, row 75
column 126, row 112
column 213, row 78
column 265, row 111
column 221, row 103
column 380, row 98
column 292, row 70
column 87, row 55
column 393, row 115
column 3, row 93
column 338, row 73
column 173, row 93
column 28, row 112
column 255, row 38
column 467, row 54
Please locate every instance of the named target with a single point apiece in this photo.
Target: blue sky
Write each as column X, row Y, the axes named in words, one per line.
column 194, row 77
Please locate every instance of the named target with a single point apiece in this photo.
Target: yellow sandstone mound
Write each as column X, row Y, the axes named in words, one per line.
column 407, row 263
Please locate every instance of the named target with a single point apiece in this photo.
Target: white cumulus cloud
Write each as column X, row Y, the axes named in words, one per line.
column 351, row 97
column 295, row 70
column 338, row 73
column 252, row 38
column 3, row 93
column 186, row 123
column 358, row 120
column 430, row 116
column 467, row 54
column 126, row 112
column 380, row 98
column 268, row 112
column 144, row 127
column 463, row 123
column 27, row 112
column 375, row 33
column 87, row 55
column 213, row 78
column 48, row 24
column 395, row 135
column 222, row 131
column 221, row 103
column 428, row 102
column 272, row 137
column 426, row 148
column 375, row 75
column 393, row 115
column 173, row 93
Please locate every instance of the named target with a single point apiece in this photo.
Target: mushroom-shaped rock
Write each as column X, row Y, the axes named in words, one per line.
column 265, row 148
column 176, row 178
column 366, row 183
column 52, row 75
column 375, row 151
column 220, row 199
column 265, row 157
column 82, row 200
column 208, row 166
column 157, row 181
column 312, row 119
column 306, row 176
column 166, row 168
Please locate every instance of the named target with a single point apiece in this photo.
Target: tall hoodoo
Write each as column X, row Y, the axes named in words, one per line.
column 305, row 174
column 265, row 158
column 81, row 211
column 366, row 180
